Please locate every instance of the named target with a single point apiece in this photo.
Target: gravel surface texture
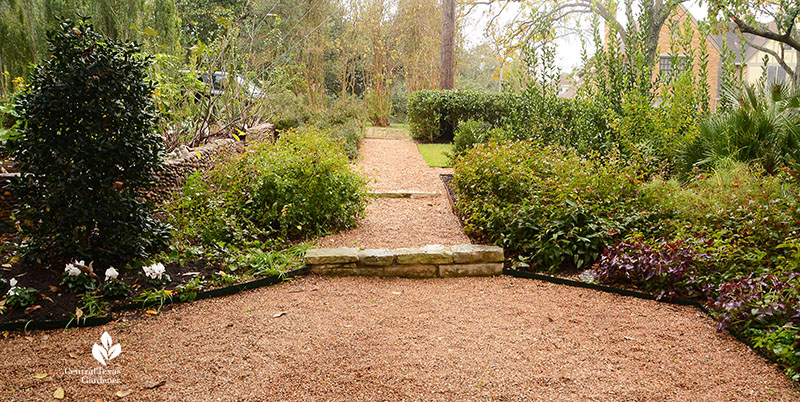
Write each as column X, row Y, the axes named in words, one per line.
column 370, row 339
column 392, row 223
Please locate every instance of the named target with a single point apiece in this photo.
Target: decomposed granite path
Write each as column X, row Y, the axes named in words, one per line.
column 391, row 339
column 396, row 164
column 378, row 339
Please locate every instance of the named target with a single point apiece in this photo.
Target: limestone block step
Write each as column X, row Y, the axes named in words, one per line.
column 433, row 260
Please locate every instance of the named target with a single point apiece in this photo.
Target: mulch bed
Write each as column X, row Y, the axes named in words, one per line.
column 53, row 303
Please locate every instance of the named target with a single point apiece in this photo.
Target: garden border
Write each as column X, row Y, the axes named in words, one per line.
column 205, row 294
column 639, row 295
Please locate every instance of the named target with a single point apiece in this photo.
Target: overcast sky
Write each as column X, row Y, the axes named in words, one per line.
column 568, row 49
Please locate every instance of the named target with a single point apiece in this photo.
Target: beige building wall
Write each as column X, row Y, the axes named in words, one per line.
column 714, row 54
column 755, row 63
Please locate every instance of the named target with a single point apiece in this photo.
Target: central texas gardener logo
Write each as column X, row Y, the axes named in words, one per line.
column 106, row 352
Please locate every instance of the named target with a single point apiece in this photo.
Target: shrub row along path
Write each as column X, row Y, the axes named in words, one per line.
column 376, row 339
column 396, row 164
column 387, row 339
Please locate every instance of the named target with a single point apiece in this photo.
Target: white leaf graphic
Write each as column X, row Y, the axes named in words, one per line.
column 105, row 353
column 106, row 339
column 98, row 352
column 114, row 351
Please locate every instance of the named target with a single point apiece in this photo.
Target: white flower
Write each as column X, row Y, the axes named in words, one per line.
column 155, row 271
column 13, row 290
column 72, row 270
column 111, row 274
column 79, row 262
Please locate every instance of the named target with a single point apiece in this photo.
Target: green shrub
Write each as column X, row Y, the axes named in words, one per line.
column 289, row 111
column 575, row 123
column 429, row 110
column 547, row 202
column 765, row 128
column 88, row 150
column 349, row 135
column 469, row 134
column 300, row 186
column 736, row 214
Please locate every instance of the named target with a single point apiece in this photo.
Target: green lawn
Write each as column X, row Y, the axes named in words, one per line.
column 399, row 125
column 436, row 155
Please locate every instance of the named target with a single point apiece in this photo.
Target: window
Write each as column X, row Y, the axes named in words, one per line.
column 776, row 75
column 666, row 67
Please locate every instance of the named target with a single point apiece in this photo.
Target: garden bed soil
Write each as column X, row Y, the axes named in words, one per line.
column 56, row 304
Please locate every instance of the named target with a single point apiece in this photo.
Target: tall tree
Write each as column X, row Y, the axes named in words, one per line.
column 447, row 78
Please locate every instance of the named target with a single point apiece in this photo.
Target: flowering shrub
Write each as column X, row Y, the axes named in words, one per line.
column 156, row 274
column 78, row 277
column 19, row 296
column 113, row 287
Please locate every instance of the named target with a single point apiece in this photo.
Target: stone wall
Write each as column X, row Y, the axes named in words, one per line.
column 184, row 162
column 424, row 262
column 178, row 165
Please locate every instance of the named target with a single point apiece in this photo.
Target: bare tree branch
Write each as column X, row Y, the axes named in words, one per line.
column 789, row 71
column 765, row 33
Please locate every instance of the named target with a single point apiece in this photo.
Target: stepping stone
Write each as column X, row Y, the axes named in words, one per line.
column 403, row 194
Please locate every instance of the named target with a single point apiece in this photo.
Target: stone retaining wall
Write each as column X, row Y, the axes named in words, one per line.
column 424, row 262
column 184, row 162
column 178, row 165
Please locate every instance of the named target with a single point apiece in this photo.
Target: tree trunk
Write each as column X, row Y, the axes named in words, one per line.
column 447, row 79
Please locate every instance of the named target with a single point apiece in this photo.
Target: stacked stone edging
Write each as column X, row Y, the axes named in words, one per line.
column 178, row 165
column 423, row 262
column 184, row 162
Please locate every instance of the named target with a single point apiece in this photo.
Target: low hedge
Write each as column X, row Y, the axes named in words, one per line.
column 548, row 203
column 434, row 114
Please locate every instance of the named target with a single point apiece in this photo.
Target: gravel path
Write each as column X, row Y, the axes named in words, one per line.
column 353, row 339
column 391, row 223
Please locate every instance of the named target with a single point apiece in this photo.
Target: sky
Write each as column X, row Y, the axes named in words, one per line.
column 568, row 49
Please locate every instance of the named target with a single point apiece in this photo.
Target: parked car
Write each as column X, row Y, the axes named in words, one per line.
column 220, row 81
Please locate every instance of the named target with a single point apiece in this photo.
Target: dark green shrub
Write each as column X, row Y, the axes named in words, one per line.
column 299, row 187
column 431, row 110
column 547, row 202
column 764, row 128
column 88, row 150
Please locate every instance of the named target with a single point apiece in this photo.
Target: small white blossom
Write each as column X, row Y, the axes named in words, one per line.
column 13, row 290
column 155, row 271
column 72, row 270
column 79, row 262
column 111, row 274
